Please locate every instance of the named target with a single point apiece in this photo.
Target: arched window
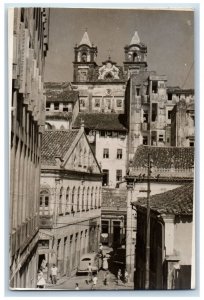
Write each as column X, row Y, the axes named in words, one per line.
column 134, row 56
column 96, row 197
column 78, row 199
column 67, row 201
column 60, row 201
column 82, row 200
column 92, row 193
column 84, row 57
column 99, row 198
column 87, row 199
column 44, row 202
column 73, row 200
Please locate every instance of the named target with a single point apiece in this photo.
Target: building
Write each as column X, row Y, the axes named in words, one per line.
column 183, row 124
column 62, row 105
column 113, row 217
column 70, row 199
column 172, row 167
column 30, row 30
column 107, row 135
column 171, row 232
column 101, row 88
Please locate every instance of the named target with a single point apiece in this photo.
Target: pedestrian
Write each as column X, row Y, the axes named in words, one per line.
column 77, row 287
column 89, row 273
column 119, row 276
column 106, row 278
column 126, row 276
column 105, row 263
column 95, row 279
column 54, row 274
column 40, row 280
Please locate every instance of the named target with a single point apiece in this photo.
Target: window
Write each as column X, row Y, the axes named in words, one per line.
column 97, row 102
column 105, row 153
column 47, row 106
column 154, row 87
column 82, row 102
column 119, row 154
column 119, row 103
column 154, row 112
column 105, row 181
column 118, row 175
column 191, row 143
column 92, row 192
column 84, row 57
column 82, row 199
column 56, row 106
column 73, row 196
column 44, row 202
column 109, row 133
column 170, row 96
column 108, row 103
column 145, row 116
column 60, row 201
column 67, row 201
column 96, row 197
column 161, row 138
column 65, row 107
column 169, row 114
column 87, row 199
column 78, row 200
column 102, row 133
column 145, row 140
column 137, row 91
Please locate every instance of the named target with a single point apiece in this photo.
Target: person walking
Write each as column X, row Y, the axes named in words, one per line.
column 54, row 274
column 126, row 276
column 106, row 278
column 119, row 276
column 40, row 280
column 89, row 273
column 95, row 279
column 105, row 263
column 77, row 287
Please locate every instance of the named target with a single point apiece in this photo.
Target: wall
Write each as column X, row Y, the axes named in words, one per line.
column 30, row 34
column 76, row 226
column 88, row 93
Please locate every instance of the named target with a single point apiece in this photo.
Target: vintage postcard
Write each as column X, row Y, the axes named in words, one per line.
column 102, row 136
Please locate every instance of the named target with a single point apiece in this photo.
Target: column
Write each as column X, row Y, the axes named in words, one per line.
column 129, row 253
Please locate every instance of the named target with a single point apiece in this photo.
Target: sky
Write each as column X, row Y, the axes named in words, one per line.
column 168, row 35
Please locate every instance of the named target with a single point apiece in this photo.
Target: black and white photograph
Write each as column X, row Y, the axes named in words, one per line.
column 101, row 149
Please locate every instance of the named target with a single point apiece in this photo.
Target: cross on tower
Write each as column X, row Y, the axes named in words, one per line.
column 109, row 52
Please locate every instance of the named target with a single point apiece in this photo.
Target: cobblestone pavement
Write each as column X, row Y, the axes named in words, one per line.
column 69, row 283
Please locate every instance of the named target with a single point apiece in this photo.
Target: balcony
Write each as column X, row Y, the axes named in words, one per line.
column 46, row 221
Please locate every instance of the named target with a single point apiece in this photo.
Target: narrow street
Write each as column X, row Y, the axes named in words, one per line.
column 69, row 283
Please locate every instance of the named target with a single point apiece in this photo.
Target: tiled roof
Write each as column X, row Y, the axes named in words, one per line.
column 101, row 121
column 56, row 144
column 178, row 201
column 114, row 199
column 60, row 92
column 164, row 157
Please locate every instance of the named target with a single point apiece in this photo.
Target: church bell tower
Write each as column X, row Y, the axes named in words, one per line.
column 135, row 56
column 84, row 61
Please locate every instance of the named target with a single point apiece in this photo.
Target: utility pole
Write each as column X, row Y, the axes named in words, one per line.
column 147, row 269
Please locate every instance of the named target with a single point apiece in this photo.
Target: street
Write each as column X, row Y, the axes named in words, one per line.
column 70, row 283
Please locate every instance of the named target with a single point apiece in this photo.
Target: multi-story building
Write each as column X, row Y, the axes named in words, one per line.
column 171, row 168
column 30, row 29
column 183, row 124
column 62, row 105
column 70, row 199
column 171, row 240
column 107, row 135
